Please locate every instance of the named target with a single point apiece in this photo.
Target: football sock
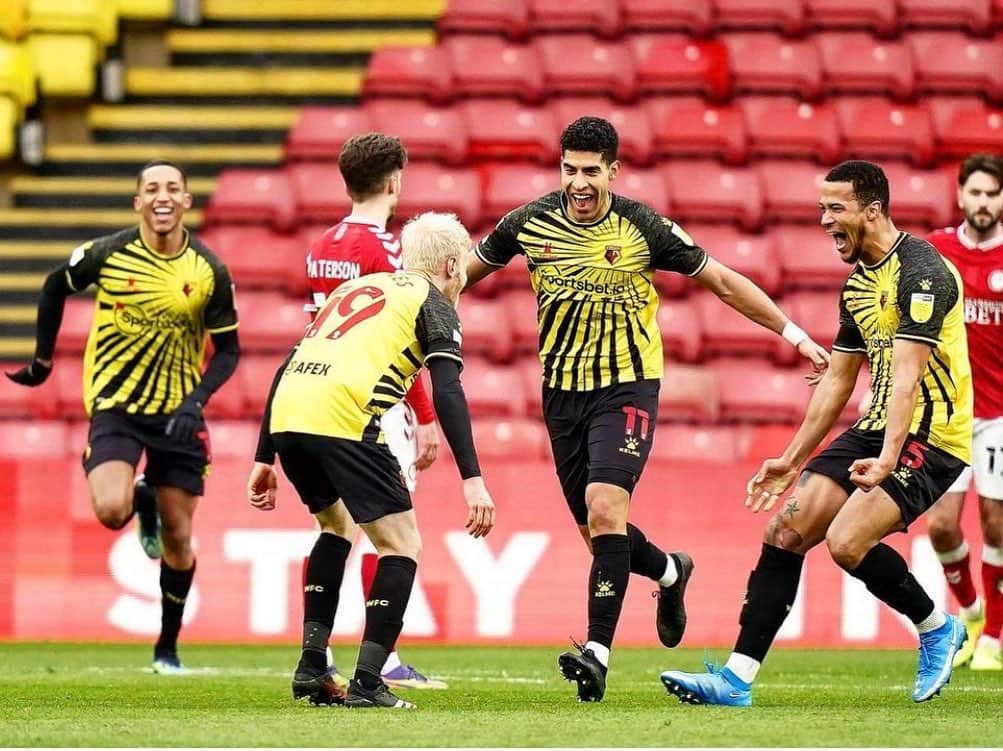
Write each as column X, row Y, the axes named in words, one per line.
column 743, row 667
column 932, row 622
column 174, row 588
column 646, row 558
column 992, row 588
column 367, row 571
column 607, row 585
column 393, row 661
column 887, row 577
column 385, row 608
column 601, row 651
column 769, row 597
column 958, row 573
column 321, row 588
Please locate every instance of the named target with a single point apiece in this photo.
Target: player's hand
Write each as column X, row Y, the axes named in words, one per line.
column 772, row 479
column 262, row 486
column 185, row 421
column 868, row 473
column 428, row 445
column 32, row 374
column 817, row 355
column 480, row 507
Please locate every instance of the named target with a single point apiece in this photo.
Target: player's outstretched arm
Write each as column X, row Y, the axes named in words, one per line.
column 51, row 303
column 476, row 269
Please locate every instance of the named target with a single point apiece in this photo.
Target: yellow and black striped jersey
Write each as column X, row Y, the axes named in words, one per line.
column 362, row 353
column 151, row 317
column 596, row 301
column 913, row 293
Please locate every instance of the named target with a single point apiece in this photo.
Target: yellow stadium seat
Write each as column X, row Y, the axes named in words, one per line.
column 65, row 63
column 99, row 18
column 8, row 123
column 146, row 9
column 13, row 18
column 17, row 74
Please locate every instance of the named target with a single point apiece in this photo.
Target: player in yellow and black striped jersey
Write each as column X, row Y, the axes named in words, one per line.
column 160, row 293
column 592, row 256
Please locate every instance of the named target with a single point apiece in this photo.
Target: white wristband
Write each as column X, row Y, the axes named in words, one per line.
column 793, row 333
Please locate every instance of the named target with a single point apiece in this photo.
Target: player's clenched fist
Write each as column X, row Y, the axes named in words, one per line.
column 480, row 507
column 262, row 486
column 32, row 374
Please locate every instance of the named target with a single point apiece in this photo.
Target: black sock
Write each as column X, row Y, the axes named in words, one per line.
column 769, row 596
column 325, row 570
column 646, row 558
column 174, row 588
column 887, row 577
column 607, row 585
column 385, row 608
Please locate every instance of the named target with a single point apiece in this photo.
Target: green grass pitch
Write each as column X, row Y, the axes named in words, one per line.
column 104, row 695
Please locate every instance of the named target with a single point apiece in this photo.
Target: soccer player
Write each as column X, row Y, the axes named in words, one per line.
column 976, row 249
column 358, row 358
column 371, row 165
column 159, row 293
column 901, row 307
column 591, row 256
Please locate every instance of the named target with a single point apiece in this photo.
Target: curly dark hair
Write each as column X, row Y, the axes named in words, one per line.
column 870, row 183
column 988, row 163
column 366, row 162
column 591, row 134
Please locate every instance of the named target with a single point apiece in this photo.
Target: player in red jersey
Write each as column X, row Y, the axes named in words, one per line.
column 976, row 249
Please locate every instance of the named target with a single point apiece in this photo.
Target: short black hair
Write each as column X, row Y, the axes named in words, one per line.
column 591, row 134
column 161, row 163
column 988, row 163
column 367, row 161
column 869, row 181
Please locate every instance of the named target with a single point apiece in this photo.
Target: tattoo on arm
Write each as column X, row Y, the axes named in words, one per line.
column 792, row 507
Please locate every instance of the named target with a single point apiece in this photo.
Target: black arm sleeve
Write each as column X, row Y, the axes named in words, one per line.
column 221, row 365
column 265, row 453
column 454, row 416
column 50, row 312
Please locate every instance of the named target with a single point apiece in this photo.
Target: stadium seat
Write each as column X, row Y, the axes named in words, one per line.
column 531, row 370
column 409, row 71
column 644, row 185
column 690, row 16
column 69, row 391
column 698, row 444
column 78, row 315
column 515, row 276
column 9, row 118
column 259, row 258
column 882, row 18
column 507, row 186
column 23, row 439
column 921, row 196
column 815, row 312
column 579, row 64
column 96, row 18
column 670, row 284
column 675, row 64
column 270, row 322
column 686, row 126
column 877, row 128
column 769, row 64
column 77, row 434
column 486, row 330
column 688, row 392
column 510, row 439
column 707, row 191
column 631, row 122
column 255, row 196
column 509, row 17
column 951, row 63
column 13, row 18
column 504, row 129
column 146, row 10
column 962, row 127
column 808, row 258
column 319, row 191
column 751, row 255
column 857, row 63
column 782, row 126
column 256, row 373
column 791, row 190
column 493, row 390
column 320, row 132
column 681, row 330
column 752, row 391
column 227, row 403
column 65, row 63
column 599, row 17
column 493, row 66
column 521, row 307
column 431, row 187
column 786, row 16
column 20, row 402
column 728, row 332
column 17, row 75
column 427, row 132
column 975, row 15
column 237, row 439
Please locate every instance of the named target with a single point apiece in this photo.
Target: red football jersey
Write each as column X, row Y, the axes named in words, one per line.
column 981, row 269
column 348, row 250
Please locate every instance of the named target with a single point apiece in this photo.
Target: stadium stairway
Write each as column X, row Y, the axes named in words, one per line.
column 228, row 93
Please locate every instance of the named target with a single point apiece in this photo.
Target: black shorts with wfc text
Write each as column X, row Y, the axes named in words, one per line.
column 363, row 474
column 922, row 475
column 603, row 435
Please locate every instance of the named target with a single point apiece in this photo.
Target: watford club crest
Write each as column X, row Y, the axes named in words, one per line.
column 612, row 254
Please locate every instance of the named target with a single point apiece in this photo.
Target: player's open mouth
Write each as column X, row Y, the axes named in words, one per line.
column 163, row 211
column 582, row 201
column 840, row 239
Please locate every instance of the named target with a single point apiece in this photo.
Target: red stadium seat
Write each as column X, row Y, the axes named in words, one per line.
column 921, row 196
column 689, row 16
column 751, row 255
column 521, row 307
column 77, row 434
column 252, row 195
column 808, row 258
column 767, row 63
column 644, row 185
column 498, row 17
column 697, row 444
column 259, row 258
column 256, row 373
column 409, row 71
column 752, row 391
column 782, row 126
column 427, row 132
column 706, row 191
column 882, row 18
column 494, row 66
column 688, row 392
column 507, row 186
column 531, row 370
column 856, row 63
column 951, row 63
column 815, row 312
column 876, row 128
column 786, row 16
column 513, row 276
column 22, row 402
column 962, row 127
column 320, row 132
column 580, row 64
column 68, row 377
column 486, row 329
column 728, row 332
column 974, row 15
column 673, row 64
column 321, row 195
column 998, row 13
column 237, row 439
column 226, row 403
column 599, row 17
column 513, row 440
column 686, row 126
column 434, row 188
column 78, row 315
column 270, row 322
column 631, row 122
column 669, row 284
column 493, row 390
column 681, row 330
column 791, row 190
column 505, row 130
column 21, row 439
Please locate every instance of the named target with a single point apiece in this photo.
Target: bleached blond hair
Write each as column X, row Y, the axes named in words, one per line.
column 429, row 239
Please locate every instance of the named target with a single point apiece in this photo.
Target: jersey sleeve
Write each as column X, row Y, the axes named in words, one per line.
column 84, row 266
column 221, row 309
column 927, row 291
column 438, row 328
column 501, row 246
column 671, row 247
column 848, row 338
